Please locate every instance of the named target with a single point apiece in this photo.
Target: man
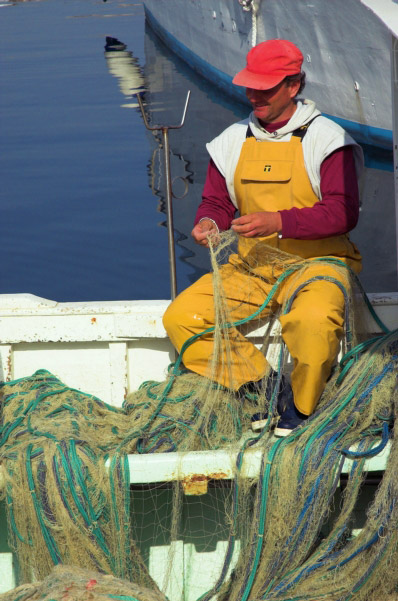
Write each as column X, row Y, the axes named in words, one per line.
column 292, row 175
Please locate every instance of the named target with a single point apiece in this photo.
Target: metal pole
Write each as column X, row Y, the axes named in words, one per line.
column 169, row 209
column 169, row 190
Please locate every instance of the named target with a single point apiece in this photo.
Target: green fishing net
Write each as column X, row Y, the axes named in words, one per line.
column 66, row 477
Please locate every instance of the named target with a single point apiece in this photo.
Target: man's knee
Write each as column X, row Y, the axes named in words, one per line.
column 172, row 316
column 322, row 304
column 181, row 315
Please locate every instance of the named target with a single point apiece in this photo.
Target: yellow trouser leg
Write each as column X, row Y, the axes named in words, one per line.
column 312, row 331
column 193, row 312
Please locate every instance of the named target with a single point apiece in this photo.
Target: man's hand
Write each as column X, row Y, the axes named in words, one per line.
column 263, row 223
column 205, row 227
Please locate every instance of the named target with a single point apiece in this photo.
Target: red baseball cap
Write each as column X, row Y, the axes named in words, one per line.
column 268, row 63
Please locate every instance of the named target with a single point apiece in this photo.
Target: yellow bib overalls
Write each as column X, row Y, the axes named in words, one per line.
column 270, row 176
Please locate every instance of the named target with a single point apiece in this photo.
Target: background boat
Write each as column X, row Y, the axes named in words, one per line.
column 346, row 51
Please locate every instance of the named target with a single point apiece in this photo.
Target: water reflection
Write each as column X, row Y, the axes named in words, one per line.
column 126, row 68
column 166, row 80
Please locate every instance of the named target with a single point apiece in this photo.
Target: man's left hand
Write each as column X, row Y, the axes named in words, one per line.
column 263, row 223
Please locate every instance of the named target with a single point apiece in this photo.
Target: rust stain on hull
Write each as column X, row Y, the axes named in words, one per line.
column 197, row 484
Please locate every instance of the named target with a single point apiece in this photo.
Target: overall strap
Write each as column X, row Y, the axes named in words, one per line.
column 301, row 131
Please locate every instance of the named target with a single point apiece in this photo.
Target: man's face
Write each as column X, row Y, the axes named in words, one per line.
column 275, row 104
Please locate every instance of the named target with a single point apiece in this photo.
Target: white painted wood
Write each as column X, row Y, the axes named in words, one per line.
column 46, row 321
column 7, row 578
column 6, row 372
column 118, row 376
column 168, row 467
column 106, row 349
column 210, row 563
column 148, row 360
column 166, row 565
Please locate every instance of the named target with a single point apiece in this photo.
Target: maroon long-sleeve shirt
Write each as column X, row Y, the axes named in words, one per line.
column 337, row 213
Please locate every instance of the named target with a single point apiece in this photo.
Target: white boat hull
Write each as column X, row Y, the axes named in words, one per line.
column 346, row 52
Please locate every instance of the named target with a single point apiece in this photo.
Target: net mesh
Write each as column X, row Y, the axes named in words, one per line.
column 272, row 534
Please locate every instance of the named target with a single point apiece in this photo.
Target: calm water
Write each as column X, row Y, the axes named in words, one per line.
column 82, row 187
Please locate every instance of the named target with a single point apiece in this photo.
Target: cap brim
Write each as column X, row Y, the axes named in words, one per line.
column 248, row 79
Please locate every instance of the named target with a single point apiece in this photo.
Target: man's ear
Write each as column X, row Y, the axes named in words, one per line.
column 294, row 87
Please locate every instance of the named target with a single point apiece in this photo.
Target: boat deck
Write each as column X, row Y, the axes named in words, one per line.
column 108, row 349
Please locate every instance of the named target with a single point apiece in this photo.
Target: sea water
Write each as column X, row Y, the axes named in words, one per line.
column 82, row 198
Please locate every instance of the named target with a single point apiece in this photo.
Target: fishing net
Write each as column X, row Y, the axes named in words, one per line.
column 278, row 531
column 72, row 583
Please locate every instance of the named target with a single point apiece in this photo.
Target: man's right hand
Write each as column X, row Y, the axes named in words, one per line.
column 203, row 229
